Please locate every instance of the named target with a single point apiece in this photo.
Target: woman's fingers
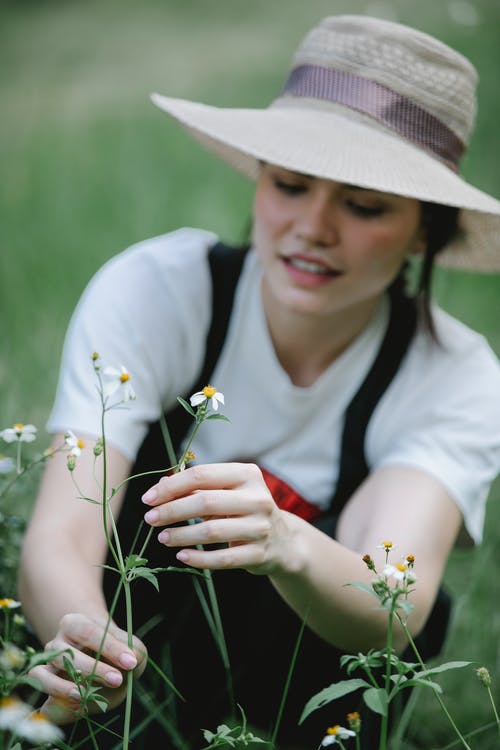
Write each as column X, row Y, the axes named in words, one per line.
column 217, row 531
column 55, row 683
column 85, row 633
column 204, row 477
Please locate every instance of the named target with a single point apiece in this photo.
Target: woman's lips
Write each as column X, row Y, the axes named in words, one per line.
column 308, row 272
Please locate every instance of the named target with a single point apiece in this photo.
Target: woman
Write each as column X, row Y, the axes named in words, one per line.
column 357, row 413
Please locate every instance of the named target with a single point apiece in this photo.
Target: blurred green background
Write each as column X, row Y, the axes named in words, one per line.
column 89, row 166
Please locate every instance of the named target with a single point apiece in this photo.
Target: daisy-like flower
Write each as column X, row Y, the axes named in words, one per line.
column 336, row 733
column 12, row 711
column 74, row 444
column 12, row 657
column 37, row 728
column 9, row 604
column 118, row 379
column 400, row 571
column 23, row 433
column 386, row 546
column 209, row 393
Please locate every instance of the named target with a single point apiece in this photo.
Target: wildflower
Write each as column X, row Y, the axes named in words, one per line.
column 7, row 464
column 12, row 657
column 400, row 572
column 23, row 433
column 484, row 676
column 410, row 559
column 369, row 562
column 118, row 379
column 37, row 728
column 9, row 604
column 71, row 462
column 98, row 447
column 74, row 444
column 336, row 733
column 209, row 393
column 19, row 620
column 12, row 711
column 354, row 721
column 386, row 546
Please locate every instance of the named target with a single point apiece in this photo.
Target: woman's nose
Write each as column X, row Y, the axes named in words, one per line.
column 317, row 223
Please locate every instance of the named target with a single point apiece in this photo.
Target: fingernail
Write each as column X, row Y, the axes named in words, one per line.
column 150, row 496
column 128, row 661
column 75, row 694
column 113, row 678
column 152, row 516
column 183, row 555
column 164, row 537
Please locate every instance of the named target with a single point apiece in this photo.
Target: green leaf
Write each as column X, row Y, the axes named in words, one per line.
column 331, row 693
column 43, row 657
column 134, row 561
column 423, row 683
column 175, row 569
column 363, row 587
column 31, row 681
column 186, row 406
column 376, row 700
column 442, row 668
column 146, row 573
column 218, row 416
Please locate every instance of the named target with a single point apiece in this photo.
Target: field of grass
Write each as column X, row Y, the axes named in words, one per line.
column 89, row 166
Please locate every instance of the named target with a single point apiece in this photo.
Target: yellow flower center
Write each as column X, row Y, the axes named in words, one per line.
column 38, row 716
column 9, row 702
column 5, row 603
column 410, row 559
column 333, row 730
column 402, row 567
column 124, row 377
column 19, row 427
column 80, row 444
column 209, row 391
column 353, row 716
column 387, row 545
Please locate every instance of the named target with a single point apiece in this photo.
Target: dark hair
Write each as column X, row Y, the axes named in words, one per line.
column 440, row 225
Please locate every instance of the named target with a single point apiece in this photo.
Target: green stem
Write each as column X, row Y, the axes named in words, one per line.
column 495, row 712
column 130, row 674
column 384, row 726
column 438, row 697
column 288, row 680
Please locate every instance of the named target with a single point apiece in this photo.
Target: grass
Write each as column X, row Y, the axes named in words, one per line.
column 89, row 167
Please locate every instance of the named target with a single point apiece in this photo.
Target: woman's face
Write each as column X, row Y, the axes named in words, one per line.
column 326, row 247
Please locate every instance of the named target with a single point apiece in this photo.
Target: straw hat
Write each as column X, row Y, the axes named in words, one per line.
column 371, row 103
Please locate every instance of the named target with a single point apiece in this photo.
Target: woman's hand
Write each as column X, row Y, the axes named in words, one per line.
column 80, row 638
column 232, row 506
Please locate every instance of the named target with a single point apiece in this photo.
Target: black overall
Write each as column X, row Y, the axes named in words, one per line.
column 260, row 629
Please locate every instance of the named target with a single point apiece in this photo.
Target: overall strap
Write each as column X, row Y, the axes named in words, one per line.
column 353, row 467
column 225, row 264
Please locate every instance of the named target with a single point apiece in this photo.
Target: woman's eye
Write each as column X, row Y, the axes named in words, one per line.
column 290, row 188
column 360, row 209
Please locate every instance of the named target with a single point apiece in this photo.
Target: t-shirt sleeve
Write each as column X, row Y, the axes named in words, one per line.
column 442, row 415
column 148, row 309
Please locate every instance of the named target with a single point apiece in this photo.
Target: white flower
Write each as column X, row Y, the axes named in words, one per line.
column 401, row 572
column 118, row 379
column 24, row 433
column 9, row 604
column 74, row 444
column 7, row 464
column 387, row 546
column 333, row 734
column 12, row 657
column 12, row 711
column 209, row 393
column 37, row 728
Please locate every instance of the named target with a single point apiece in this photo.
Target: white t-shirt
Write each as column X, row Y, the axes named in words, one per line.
column 149, row 309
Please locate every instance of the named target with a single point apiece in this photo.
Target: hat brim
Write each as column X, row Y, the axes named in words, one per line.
column 351, row 151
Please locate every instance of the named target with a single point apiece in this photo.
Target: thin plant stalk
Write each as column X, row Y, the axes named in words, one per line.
column 438, row 697
column 384, row 726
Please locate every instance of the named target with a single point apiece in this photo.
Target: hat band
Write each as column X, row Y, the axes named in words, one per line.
column 388, row 107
